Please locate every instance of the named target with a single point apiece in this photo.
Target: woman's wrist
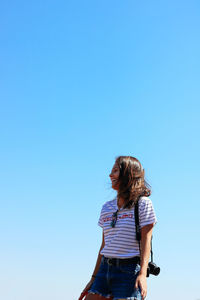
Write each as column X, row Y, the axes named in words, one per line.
column 142, row 274
column 143, row 271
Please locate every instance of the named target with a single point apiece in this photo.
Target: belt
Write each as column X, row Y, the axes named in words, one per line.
column 121, row 261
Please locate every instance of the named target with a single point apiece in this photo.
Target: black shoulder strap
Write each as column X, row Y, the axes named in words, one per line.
column 137, row 223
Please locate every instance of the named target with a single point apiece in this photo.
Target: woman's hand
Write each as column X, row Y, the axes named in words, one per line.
column 88, row 286
column 141, row 281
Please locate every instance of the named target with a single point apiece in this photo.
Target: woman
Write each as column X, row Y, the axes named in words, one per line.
column 121, row 267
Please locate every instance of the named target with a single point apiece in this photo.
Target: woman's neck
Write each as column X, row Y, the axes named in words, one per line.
column 120, row 202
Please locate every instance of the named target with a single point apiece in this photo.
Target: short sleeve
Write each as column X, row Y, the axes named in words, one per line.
column 100, row 222
column 146, row 212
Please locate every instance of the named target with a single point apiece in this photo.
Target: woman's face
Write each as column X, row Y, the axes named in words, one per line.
column 114, row 175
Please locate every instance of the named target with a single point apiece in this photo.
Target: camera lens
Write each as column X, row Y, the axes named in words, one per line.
column 156, row 271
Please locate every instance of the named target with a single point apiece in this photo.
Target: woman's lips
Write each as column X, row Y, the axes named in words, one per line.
column 114, row 181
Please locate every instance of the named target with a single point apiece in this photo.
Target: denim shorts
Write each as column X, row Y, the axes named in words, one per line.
column 117, row 281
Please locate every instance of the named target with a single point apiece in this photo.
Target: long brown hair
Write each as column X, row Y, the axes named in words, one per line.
column 132, row 184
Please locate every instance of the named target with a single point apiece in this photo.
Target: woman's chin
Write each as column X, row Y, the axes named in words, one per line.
column 114, row 187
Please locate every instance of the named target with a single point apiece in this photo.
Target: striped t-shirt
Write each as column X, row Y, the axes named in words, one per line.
column 120, row 241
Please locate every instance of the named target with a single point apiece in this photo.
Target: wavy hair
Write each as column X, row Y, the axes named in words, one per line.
column 132, row 184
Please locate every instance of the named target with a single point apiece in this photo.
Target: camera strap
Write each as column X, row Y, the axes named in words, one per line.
column 138, row 231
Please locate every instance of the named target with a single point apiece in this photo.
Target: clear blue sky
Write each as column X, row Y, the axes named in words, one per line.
column 81, row 83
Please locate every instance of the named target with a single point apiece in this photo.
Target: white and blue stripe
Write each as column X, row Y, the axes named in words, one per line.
column 120, row 241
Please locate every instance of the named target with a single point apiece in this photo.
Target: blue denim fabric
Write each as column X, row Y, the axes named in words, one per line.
column 117, row 281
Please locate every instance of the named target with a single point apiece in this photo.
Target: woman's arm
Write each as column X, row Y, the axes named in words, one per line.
column 98, row 262
column 145, row 245
column 146, row 234
column 95, row 269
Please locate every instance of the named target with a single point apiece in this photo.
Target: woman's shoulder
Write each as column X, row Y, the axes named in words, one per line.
column 109, row 204
column 146, row 211
column 144, row 200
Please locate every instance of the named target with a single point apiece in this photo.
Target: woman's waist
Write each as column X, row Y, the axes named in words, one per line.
column 120, row 261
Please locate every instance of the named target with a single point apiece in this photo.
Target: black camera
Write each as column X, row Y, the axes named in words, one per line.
column 152, row 269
